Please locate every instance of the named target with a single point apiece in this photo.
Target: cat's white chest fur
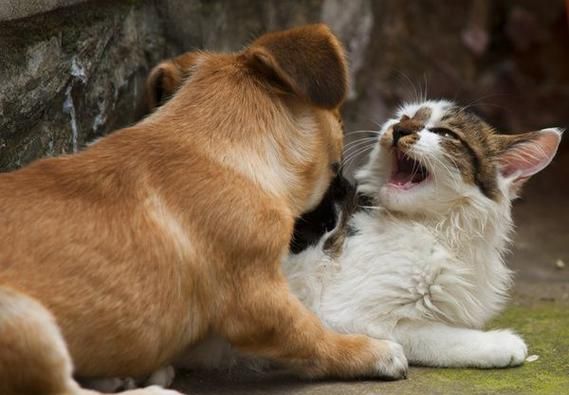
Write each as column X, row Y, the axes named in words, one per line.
column 392, row 274
column 403, row 280
column 388, row 271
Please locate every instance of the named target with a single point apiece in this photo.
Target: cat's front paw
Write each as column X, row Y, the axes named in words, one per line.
column 505, row 349
column 392, row 364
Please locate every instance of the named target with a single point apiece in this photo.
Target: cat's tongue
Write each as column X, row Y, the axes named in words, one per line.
column 407, row 172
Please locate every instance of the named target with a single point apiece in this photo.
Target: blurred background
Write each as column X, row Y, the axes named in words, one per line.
column 73, row 70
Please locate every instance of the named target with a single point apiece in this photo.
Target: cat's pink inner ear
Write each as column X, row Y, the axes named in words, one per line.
column 530, row 153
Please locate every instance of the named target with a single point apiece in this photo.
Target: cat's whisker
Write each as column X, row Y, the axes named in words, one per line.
column 415, row 169
column 411, row 84
column 446, row 168
column 355, row 150
column 432, row 170
column 353, row 156
column 349, row 158
column 424, row 97
column 480, row 102
column 355, row 147
column 358, row 141
column 375, row 132
column 360, row 138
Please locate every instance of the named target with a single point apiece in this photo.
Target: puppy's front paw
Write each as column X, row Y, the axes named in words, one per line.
column 392, row 363
column 505, row 349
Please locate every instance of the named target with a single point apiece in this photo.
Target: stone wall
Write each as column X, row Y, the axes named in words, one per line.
column 72, row 70
column 72, row 74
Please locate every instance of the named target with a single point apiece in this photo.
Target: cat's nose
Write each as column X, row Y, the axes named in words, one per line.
column 400, row 131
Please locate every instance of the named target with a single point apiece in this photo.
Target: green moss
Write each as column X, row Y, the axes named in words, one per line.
column 545, row 327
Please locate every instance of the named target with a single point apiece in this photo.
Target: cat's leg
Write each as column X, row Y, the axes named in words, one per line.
column 436, row 344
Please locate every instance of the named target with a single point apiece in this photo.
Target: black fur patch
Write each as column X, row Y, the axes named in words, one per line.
column 310, row 228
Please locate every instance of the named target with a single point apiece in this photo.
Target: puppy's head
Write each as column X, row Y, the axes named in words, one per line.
column 307, row 61
column 280, row 98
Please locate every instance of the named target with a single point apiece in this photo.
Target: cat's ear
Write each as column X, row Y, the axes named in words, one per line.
column 165, row 78
column 523, row 155
column 307, row 61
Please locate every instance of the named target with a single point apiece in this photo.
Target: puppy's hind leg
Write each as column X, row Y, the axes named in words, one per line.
column 34, row 359
column 33, row 355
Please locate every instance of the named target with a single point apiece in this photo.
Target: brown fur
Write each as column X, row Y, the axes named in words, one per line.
column 165, row 79
column 164, row 232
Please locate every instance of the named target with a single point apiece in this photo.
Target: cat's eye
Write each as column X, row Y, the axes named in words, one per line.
column 444, row 132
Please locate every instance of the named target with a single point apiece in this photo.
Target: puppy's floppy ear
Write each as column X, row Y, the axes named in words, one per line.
column 165, row 78
column 308, row 61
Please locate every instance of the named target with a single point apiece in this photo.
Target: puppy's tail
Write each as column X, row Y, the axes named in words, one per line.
column 33, row 356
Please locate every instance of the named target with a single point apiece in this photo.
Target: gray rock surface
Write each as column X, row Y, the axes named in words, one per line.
column 16, row 9
column 71, row 75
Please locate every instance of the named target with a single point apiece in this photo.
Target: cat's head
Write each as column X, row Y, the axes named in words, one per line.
column 434, row 155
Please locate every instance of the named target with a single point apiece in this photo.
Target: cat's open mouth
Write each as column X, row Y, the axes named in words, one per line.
column 407, row 172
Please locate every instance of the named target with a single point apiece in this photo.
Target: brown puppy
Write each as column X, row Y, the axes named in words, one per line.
column 172, row 229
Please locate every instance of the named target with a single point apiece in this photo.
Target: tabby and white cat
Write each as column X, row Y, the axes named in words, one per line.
column 422, row 262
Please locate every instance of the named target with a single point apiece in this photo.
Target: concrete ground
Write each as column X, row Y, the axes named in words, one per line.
column 539, row 310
